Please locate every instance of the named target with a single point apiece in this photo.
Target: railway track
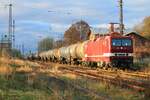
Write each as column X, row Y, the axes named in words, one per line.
column 130, row 74
column 136, row 74
column 139, row 75
column 45, row 68
column 114, row 79
column 138, row 81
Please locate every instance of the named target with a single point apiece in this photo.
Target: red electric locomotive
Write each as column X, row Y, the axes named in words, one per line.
column 113, row 49
column 110, row 50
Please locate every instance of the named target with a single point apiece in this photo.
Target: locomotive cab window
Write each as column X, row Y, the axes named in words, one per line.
column 121, row 42
column 126, row 42
column 116, row 42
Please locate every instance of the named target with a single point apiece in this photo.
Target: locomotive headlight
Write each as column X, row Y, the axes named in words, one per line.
column 108, row 54
column 86, row 55
column 130, row 54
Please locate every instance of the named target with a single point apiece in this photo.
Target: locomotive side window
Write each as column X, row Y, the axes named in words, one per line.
column 116, row 42
column 121, row 42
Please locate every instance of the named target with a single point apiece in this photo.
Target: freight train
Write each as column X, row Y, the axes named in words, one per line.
column 109, row 50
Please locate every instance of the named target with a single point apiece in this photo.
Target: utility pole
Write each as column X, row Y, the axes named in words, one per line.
column 121, row 16
column 10, row 26
column 1, row 44
column 13, row 35
column 23, row 49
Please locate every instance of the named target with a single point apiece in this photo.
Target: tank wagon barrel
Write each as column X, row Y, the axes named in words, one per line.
column 65, row 52
column 72, row 50
column 43, row 55
column 56, row 53
column 80, row 53
column 49, row 54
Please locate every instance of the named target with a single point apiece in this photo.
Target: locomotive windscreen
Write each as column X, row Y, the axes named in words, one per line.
column 121, row 42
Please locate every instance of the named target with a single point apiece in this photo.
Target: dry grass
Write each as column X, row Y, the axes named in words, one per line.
column 5, row 70
column 4, row 60
column 38, row 85
column 69, row 75
column 25, row 69
column 18, row 62
column 32, row 63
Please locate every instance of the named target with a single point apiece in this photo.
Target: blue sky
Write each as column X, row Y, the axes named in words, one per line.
column 33, row 21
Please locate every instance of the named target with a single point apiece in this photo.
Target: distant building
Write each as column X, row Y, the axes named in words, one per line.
column 141, row 47
column 5, row 49
column 5, row 46
column 138, row 40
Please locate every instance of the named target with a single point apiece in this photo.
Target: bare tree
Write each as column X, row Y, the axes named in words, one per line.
column 58, row 43
column 79, row 31
column 45, row 44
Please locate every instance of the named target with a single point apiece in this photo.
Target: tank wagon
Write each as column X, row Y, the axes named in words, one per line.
column 108, row 50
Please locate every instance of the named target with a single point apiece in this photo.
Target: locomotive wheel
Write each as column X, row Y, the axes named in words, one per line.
column 84, row 63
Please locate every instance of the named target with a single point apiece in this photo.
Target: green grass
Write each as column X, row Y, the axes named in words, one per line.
column 106, row 90
column 17, row 88
column 22, row 95
column 23, row 86
column 44, row 87
column 141, row 64
column 48, row 88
